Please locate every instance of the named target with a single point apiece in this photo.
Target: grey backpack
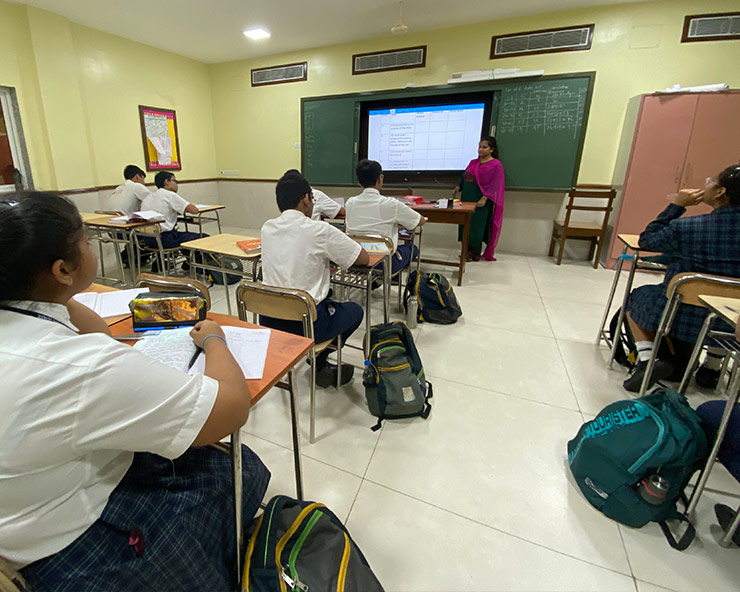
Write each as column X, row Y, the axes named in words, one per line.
column 395, row 385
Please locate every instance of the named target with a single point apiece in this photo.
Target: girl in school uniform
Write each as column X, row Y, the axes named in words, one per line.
column 483, row 183
column 106, row 481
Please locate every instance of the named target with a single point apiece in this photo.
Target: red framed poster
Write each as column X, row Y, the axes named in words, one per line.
column 159, row 135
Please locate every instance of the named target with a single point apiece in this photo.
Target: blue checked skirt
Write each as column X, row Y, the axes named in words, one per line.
column 646, row 305
column 168, row 525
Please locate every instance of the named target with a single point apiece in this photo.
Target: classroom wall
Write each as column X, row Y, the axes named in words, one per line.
column 79, row 91
column 636, row 49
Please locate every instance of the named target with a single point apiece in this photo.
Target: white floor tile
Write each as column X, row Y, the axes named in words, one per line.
column 703, row 566
column 333, row 487
column 504, row 310
column 574, row 321
column 646, row 587
column 509, row 362
column 478, row 451
column 427, row 549
column 507, row 275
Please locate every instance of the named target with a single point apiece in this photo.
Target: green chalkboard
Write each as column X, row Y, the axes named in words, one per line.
column 540, row 126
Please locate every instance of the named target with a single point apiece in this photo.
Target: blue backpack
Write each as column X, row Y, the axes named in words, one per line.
column 436, row 301
column 617, row 458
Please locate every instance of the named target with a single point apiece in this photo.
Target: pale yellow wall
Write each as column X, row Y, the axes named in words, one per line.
column 79, row 91
column 256, row 128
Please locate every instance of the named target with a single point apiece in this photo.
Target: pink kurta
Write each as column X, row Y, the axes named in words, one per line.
column 490, row 179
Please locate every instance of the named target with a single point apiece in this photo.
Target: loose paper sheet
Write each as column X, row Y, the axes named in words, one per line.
column 173, row 347
column 109, row 304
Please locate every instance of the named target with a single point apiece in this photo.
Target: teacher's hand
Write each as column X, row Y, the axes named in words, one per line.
column 456, row 191
column 481, row 202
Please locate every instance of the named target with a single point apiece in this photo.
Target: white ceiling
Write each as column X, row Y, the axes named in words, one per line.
column 211, row 30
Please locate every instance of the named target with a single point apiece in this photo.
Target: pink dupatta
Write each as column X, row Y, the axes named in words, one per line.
column 490, row 179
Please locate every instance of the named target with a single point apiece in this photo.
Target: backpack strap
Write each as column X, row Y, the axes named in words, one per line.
column 427, row 404
column 687, row 537
column 377, row 426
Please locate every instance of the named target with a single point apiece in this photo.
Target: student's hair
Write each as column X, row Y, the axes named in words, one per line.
column 131, row 171
column 161, row 177
column 290, row 190
column 368, row 172
column 292, row 173
column 36, row 229
column 491, row 141
column 730, row 180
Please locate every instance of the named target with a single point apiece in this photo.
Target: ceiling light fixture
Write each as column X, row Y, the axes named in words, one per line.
column 400, row 27
column 257, row 33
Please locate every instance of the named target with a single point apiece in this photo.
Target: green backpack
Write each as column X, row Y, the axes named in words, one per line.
column 303, row 547
column 617, row 458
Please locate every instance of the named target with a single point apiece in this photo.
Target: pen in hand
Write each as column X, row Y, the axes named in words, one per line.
column 197, row 352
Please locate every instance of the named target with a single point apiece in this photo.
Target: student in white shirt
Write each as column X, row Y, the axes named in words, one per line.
column 297, row 253
column 128, row 196
column 323, row 205
column 372, row 212
column 101, row 489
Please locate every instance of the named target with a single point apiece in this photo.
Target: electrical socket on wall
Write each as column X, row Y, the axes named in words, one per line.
column 230, row 172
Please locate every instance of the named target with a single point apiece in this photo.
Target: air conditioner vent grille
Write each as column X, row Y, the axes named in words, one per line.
column 395, row 59
column 711, row 27
column 534, row 42
column 278, row 74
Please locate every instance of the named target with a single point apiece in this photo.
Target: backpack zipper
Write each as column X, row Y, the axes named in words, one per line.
column 297, row 549
column 394, row 368
column 286, row 537
column 661, row 433
column 343, row 566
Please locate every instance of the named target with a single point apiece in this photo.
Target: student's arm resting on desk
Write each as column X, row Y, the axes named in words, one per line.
column 192, row 209
column 342, row 250
column 231, row 409
column 363, row 259
column 86, row 319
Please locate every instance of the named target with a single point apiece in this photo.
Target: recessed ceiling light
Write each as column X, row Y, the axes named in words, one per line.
column 257, row 33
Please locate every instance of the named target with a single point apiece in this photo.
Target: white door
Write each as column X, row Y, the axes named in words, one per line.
column 15, row 172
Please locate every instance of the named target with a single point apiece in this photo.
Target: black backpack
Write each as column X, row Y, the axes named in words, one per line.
column 436, row 301
column 395, row 386
column 302, row 546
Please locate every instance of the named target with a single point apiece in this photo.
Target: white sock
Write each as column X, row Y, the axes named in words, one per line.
column 644, row 350
column 714, row 358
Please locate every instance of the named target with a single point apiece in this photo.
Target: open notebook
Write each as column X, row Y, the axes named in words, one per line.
column 175, row 348
column 109, row 304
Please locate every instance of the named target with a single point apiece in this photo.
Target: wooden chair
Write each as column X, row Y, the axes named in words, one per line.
column 166, row 257
column 685, row 288
column 289, row 305
column 157, row 283
column 595, row 232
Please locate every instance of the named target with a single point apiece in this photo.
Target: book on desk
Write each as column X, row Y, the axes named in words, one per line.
column 142, row 216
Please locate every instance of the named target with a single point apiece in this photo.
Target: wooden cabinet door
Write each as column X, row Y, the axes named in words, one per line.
column 715, row 140
column 656, row 163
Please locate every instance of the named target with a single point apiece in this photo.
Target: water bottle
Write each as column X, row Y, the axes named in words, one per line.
column 653, row 489
column 411, row 311
column 368, row 375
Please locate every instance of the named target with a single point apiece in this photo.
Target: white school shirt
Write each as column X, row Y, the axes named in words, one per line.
column 128, row 196
column 167, row 203
column 73, row 410
column 372, row 212
column 297, row 251
column 324, row 206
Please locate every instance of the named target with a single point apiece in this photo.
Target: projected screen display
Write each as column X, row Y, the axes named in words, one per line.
column 425, row 138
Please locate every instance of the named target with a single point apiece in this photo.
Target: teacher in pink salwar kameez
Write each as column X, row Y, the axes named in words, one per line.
column 483, row 183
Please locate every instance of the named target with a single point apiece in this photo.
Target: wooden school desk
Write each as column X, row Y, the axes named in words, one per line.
column 631, row 243
column 284, row 352
column 727, row 309
column 199, row 218
column 222, row 245
column 459, row 214
column 118, row 233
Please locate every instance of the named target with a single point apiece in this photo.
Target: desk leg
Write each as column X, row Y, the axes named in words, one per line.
column 218, row 221
column 463, row 249
column 236, row 463
column 130, row 248
column 609, row 301
column 228, row 297
column 733, row 391
column 387, row 288
column 296, row 435
column 367, row 311
column 623, row 310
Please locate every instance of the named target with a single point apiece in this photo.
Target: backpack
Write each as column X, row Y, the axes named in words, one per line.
column 302, row 546
column 216, row 277
column 613, row 458
column 394, row 381
column 436, row 300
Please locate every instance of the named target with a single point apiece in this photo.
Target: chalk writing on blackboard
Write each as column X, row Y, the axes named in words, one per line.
column 531, row 109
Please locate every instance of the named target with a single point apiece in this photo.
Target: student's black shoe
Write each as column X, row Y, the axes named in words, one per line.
column 725, row 515
column 327, row 375
column 185, row 266
column 155, row 266
column 707, row 378
column 661, row 371
column 376, row 284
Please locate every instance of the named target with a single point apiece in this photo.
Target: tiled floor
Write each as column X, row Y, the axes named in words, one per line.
column 479, row 496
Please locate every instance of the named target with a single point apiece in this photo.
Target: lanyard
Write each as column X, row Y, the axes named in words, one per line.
column 38, row 315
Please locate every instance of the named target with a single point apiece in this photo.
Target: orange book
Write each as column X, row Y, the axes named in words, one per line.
column 249, row 246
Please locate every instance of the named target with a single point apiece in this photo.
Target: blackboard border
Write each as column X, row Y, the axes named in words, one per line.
column 491, row 84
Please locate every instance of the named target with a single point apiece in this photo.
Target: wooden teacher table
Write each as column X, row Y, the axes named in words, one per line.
column 460, row 214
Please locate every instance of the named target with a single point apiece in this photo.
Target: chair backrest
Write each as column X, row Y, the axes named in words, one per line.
column 156, row 283
column 287, row 304
column 590, row 191
column 110, row 212
column 371, row 237
column 689, row 286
